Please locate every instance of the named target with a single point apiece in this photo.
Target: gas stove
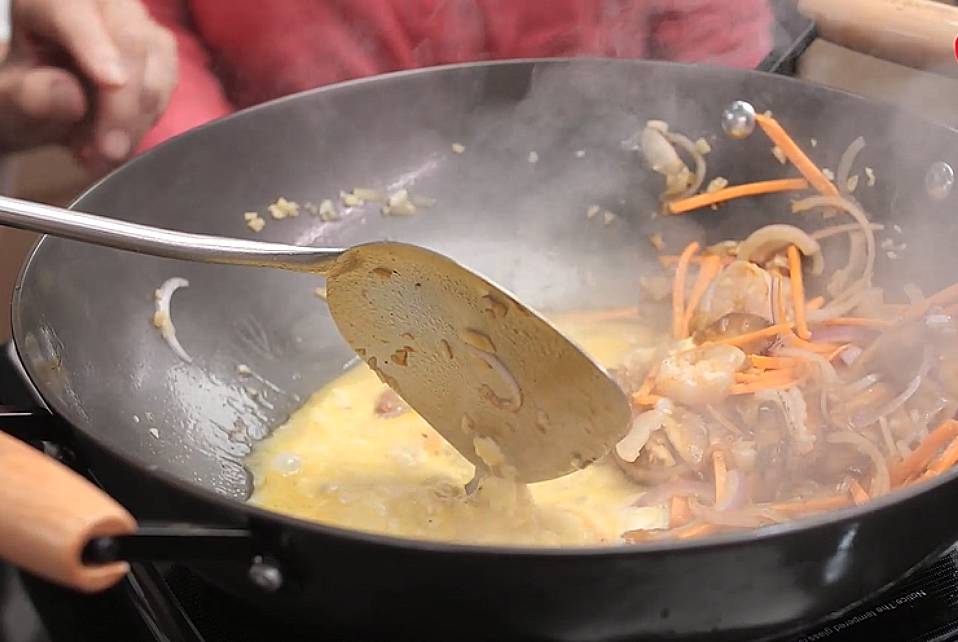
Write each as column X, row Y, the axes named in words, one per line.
column 170, row 603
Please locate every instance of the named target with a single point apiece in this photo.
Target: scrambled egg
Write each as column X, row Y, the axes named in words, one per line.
column 338, row 462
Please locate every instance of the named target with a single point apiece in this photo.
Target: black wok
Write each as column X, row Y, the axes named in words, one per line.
column 82, row 329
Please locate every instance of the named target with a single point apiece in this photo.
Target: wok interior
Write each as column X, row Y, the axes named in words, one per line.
column 82, row 316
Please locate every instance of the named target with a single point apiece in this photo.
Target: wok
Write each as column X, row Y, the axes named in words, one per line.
column 167, row 439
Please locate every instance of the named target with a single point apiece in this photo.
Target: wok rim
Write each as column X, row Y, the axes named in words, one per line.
column 251, row 513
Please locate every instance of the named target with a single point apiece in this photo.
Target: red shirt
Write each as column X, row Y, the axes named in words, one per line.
column 238, row 53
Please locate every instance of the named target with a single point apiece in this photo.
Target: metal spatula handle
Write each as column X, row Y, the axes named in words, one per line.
column 134, row 237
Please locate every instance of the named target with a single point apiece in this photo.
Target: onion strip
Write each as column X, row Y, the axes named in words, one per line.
column 881, row 479
column 163, row 319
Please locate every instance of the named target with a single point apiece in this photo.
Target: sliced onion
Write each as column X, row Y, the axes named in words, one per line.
column 881, row 481
column 630, row 446
column 856, row 213
column 844, row 228
column 680, row 487
column 862, row 419
column 766, row 241
column 841, row 306
column 861, row 385
column 163, row 318
column 847, row 161
column 850, row 354
column 694, row 152
column 736, row 492
column 829, row 376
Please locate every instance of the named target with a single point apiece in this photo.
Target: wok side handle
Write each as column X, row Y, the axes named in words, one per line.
column 917, row 33
column 48, row 513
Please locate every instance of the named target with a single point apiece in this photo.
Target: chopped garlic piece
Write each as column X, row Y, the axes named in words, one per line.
column 367, row 194
column 398, row 204
column 458, row 148
column 327, row 211
column 580, row 153
column 660, row 125
column 870, row 173
column 657, row 242
column 608, row 217
column 350, row 200
column 533, row 157
column 254, row 221
column 716, row 184
column 852, row 184
column 814, row 142
column 702, row 146
column 592, row 212
column 282, row 209
column 827, row 173
column 779, row 154
column 243, row 370
column 320, row 292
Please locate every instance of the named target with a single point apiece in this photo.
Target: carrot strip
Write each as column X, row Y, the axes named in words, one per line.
column 948, row 459
column 645, row 400
column 721, row 475
column 813, row 505
column 699, row 530
column 815, row 304
column 772, row 376
column 668, row 260
column 748, row 337
column 919, row 458
column 773, row 363
column 705, row 199
column 818, row 348
column 798, row 292
column 861, row 322
column 707, row 273
column 794, row 153
column 859, row 494
column 678, row 289
column 679, row 512
column 938, row 298
column 723, row 420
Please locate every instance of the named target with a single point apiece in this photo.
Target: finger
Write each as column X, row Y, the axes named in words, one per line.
column 159, row 76
column 119, row 118
column 38, row 105
column 81, row 30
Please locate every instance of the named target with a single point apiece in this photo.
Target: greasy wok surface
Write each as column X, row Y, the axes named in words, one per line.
column 82, row 314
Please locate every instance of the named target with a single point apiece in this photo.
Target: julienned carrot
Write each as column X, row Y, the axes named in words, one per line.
column 862, row 322
column 773, row 363
column 736, row 191
column 679, row 512
column 813, row 505
column 770, row 331
column 859, row 494
column 668, row 260
column 837, row 351
column 941, row 297
column 707, row 273
column 818, row 348
column 798, row 292
column 948, row 458
column 815, row 304
column 794, row 153
column 645, row 400
column 678, row 289
column 721, row 476
column 773, row 376
column 773, row 380
column 919, row 458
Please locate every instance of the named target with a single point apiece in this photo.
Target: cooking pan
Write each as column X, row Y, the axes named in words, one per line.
column 167, row 439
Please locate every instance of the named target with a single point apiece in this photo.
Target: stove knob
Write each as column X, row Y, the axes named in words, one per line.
column 265, row 575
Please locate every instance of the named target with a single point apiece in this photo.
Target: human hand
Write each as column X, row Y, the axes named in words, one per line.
column 91, row 74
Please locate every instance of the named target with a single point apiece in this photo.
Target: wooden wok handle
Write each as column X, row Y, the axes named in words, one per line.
column 48, row 513
column 917, row 33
